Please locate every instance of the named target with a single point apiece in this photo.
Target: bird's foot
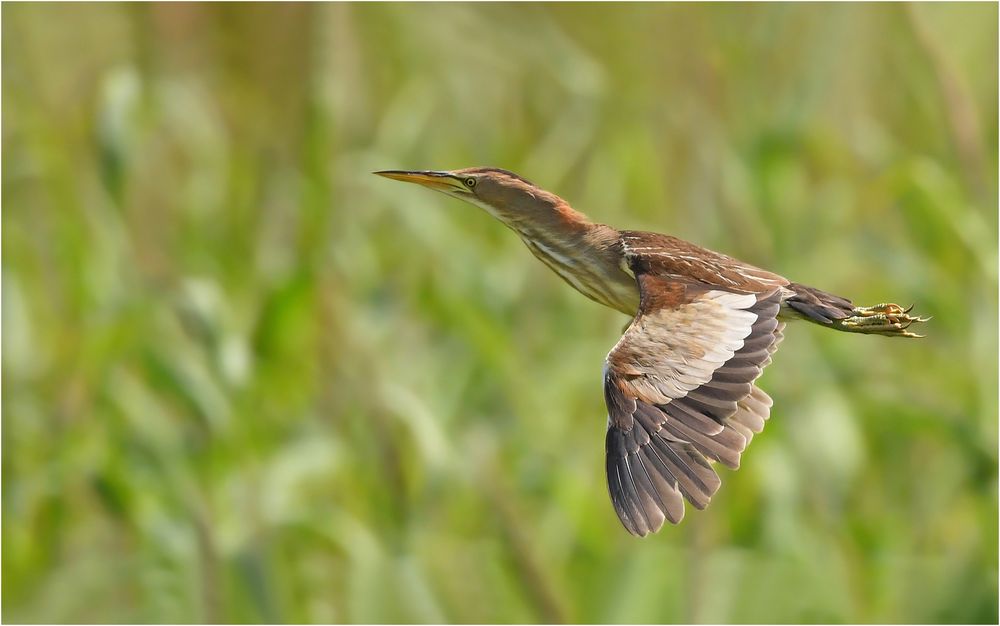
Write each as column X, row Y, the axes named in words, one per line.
column 887, row 319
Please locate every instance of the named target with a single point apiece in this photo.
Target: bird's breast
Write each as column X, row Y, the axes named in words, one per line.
column 594, row 272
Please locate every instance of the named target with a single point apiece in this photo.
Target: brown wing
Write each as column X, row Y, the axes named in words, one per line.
column 670, row 257
column 679, row 390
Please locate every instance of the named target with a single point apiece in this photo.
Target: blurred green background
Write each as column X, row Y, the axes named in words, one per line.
column 244, row 380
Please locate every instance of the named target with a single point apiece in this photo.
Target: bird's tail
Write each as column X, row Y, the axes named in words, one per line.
column 840, row 313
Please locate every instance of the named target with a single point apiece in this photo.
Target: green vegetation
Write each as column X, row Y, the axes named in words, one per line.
column 245, row 380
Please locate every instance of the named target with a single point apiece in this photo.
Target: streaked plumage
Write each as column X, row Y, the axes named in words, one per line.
column 680, row 383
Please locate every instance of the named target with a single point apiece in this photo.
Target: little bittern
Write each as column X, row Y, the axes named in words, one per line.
column 679, row 384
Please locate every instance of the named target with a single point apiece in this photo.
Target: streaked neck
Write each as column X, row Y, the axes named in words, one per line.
column 586, row 255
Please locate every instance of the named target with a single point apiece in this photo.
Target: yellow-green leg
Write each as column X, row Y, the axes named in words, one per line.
column 886, row 319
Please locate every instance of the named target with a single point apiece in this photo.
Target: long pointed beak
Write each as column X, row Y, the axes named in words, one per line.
column 442, row 181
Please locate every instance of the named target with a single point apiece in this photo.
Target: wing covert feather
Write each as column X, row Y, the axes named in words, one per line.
column 679, row 390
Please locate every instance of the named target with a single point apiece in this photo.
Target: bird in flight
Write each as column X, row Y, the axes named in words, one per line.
column 679, row 384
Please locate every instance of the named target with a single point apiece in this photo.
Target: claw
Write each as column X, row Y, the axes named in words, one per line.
column 882, row 319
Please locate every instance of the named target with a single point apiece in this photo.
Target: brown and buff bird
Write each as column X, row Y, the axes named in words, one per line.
column 679, row 384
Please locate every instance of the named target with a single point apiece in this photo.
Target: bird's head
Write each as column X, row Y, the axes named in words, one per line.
column 513, row 200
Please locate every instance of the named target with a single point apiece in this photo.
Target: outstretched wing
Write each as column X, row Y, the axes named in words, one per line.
column 679, row 390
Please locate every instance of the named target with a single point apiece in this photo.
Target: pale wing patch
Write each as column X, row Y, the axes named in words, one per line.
column 661, row 452
column 669, row 352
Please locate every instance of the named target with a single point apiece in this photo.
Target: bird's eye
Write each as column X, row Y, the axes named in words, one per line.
column 470, row 182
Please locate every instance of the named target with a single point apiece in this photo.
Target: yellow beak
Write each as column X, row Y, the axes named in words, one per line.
column 441, row 181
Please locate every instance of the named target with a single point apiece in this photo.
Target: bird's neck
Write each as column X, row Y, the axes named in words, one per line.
column 586, row 255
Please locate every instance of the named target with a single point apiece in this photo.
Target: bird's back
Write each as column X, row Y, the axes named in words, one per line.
column 654, row 253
